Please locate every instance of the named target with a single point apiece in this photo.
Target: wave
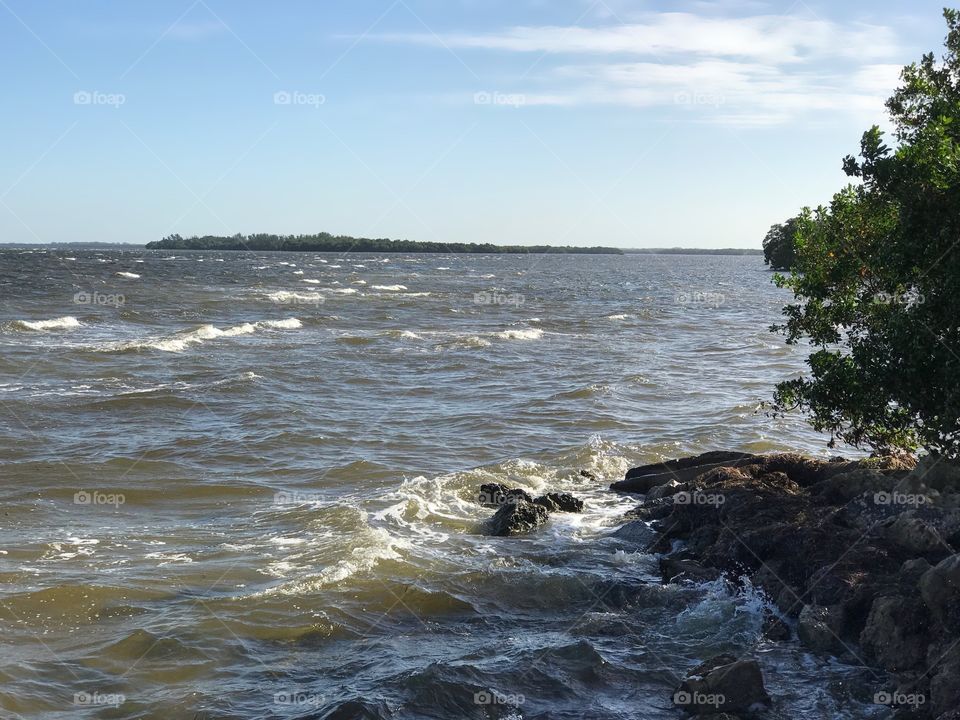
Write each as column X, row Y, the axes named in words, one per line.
column 620, row 316
column 391, row 288
column 287, row 296
column 520, row 334
column 124, row 274
column 67, row 322
column 311, row 281
column 181, row 341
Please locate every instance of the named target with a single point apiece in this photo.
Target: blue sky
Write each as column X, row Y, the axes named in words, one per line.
column 633, row 124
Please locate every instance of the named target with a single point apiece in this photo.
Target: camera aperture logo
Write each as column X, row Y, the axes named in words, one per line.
column 699, row 498
column 99, row 498
column 298, row 698
column 498, row 98
column 682, row 698
column 899, row 698
column 494, row 697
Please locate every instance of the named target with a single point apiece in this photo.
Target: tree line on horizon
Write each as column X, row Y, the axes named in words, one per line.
column 325, row 242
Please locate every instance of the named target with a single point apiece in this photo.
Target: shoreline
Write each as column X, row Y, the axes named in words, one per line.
column 858, row 558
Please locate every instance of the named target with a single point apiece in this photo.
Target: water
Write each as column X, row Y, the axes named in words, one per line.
column 242, row 485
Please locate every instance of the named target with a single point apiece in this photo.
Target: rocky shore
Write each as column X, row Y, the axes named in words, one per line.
column 857, row 558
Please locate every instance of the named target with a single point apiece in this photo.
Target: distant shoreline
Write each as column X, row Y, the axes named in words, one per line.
column 486, row 249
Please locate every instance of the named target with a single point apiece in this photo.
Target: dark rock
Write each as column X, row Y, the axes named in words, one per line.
column 844, row 487
column 940, row 589
column 514, row 518
column 722, row 685
column 588, row 475
column 637, row 532
column 651, row 510
column 819, row 628
column 896, row 633
column 560, row 502
column 641, row 479
column 774, row 628
column 673, row 570
column 913, row 535
column 668, row 489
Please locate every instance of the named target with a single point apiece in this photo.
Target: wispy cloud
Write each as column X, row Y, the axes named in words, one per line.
column 753, row 70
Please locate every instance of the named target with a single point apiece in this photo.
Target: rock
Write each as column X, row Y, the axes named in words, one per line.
column 913, row 535
column 672, row 570
column 939, row 473
column 651, row 510
column 722, row 685
column 844, row 487
column 514, row 518
column 913, row 570
column 940, row 589
column 818, row 629
column 672, row 487
column 641, row 479
column 945, row 688
column 896, row 633
column 560, row 502
column 588, row 475
column 636, row 532
column 774, row 628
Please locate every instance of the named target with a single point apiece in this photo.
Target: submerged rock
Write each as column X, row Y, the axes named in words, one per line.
column 675, row 569
column 559, row 502
column 515, row 518
column 722, row 684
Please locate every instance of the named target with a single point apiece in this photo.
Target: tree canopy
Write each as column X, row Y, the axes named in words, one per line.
column 877, row 277
column 778, row 250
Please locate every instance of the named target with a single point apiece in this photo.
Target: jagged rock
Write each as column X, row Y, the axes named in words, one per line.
column 672, row 570
column 672, row 487
column 938, row 473
column 913, row 535
column 588, row 475
column 641, row 479
column 844, row 487
column 774, row 628
column 818, row 628
column 896, row 633
column 560, row 502
column 913, row 570
column 945, row 688
column 722, row 685
column 651, row 510
column 940, row 589
column 514, row 518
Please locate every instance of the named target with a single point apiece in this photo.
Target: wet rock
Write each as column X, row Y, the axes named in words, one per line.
column 515, row 518
column 651, row 510
column 560, row 502
column 945, row 688
column 774, row 628
column 588, row 475
column 668, row 489
column 896, row 633
column 819, row 627
column 940, row 589
column 722, row 684
column 636, row 532
column 674, row 570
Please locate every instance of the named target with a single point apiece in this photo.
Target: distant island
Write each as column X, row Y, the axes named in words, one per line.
column 695, row 251
column 325, row 242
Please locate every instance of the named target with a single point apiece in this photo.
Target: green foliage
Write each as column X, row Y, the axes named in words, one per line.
column 877, row 278
column 778, row 249
column 325, row 242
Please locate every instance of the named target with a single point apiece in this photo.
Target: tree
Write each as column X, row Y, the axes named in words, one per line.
column 877, row 278
column 778, row 250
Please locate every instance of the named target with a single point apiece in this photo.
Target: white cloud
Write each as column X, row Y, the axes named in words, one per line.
column 755, row 70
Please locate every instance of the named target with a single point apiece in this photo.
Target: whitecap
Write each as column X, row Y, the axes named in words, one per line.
column 124, row 274
column 67, row 322
column 390, row 288
column 521, row 334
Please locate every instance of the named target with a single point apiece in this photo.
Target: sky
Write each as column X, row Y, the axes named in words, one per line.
column 565, row 122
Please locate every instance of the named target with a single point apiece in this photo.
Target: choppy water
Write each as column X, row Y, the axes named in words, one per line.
column 241, row 485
